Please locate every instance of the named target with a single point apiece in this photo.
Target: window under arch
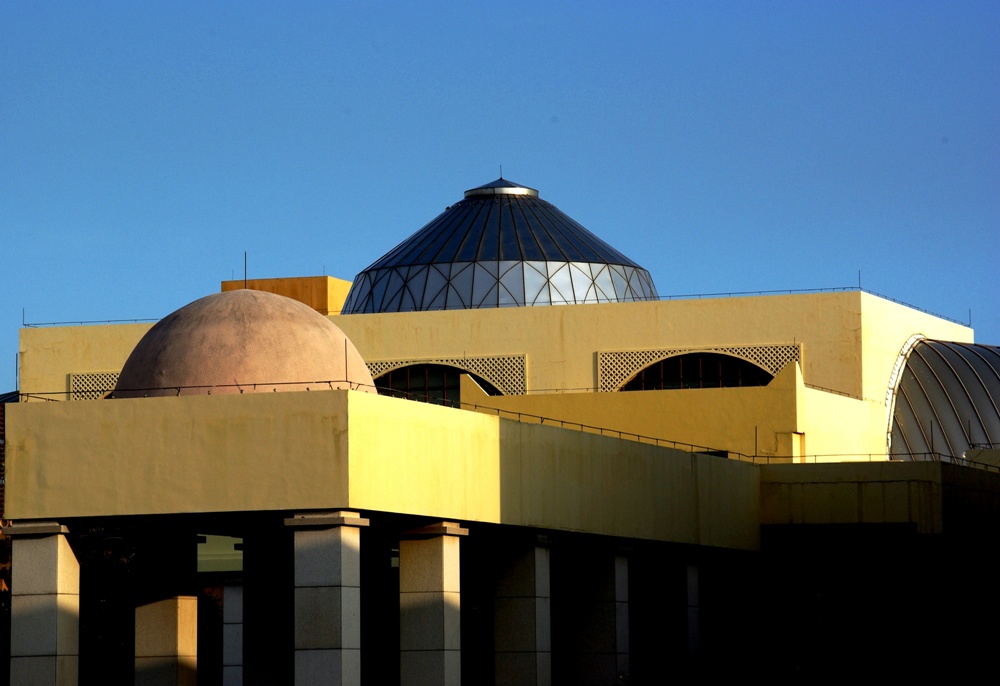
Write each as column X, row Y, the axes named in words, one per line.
column 698, row 370
column 437, row 384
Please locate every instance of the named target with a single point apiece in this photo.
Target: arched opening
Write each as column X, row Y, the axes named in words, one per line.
column 437, row 384
column 698, row 370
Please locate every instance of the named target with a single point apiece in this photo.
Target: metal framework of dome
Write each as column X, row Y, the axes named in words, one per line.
column 501, row 246
column 946, row 401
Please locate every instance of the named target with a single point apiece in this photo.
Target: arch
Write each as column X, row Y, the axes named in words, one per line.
column 698, row 370
column 437, row 384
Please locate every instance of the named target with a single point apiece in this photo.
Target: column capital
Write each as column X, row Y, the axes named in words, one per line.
column 35, row 527
column 438, row 529
column 326, row 520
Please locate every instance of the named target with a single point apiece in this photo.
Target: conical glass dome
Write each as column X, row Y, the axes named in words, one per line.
column 501, row 246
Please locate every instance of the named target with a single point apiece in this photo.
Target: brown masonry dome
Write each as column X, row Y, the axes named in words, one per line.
column 242, row 342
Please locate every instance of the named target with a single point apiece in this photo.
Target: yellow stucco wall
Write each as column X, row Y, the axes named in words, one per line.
column 49, row 355
column 842, row 350
column 185, row 454
column 341, row 449
column 417, row 458
column 833, row 405
column 837, row 331
column 874, row 493
column 324, row 294
column 562, row 479
column 713, row 418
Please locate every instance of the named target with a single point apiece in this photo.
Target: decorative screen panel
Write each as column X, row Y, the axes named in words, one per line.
column 614, row 368
column 506, row 372
column 91, row 385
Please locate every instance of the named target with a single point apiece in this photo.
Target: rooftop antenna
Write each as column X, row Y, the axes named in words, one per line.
column 501, row 171
column 244, row 270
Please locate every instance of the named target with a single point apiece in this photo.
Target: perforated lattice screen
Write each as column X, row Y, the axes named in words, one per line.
column 506, row 372
column 91, row 385
column 616, row 367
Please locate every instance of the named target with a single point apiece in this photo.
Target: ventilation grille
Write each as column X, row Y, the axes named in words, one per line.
column 614, row 368
column 505, row 372
column 91, row 385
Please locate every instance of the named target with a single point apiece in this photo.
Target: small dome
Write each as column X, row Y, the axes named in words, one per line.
column 500, row 246
column 242, row 342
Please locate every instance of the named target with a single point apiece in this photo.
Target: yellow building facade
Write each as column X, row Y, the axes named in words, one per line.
column 603, row 487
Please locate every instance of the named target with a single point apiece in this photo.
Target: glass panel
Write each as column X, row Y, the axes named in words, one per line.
column 415, row 285
column 535, row 281
column 482, row 282
column 618, row 278
column 451, row 243
column 510, row 241
column 478, row 220
column 378, row 290
column 461, row 281
column 406, row 303
column 455, row 299
column 582, row 282
column 436, row 283
column 561, row 283
column 359, row 294
column 502, row 227
column 513, row 282
column 491, row 299
column 605, row 291
column 393, row 292
column 437, row 302
column 489, row 244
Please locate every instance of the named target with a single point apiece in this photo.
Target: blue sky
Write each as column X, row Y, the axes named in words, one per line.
column 733, row 146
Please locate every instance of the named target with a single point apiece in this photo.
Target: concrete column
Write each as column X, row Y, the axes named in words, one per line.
column 621, row 617
column 327, row 597
column 232, row 634
column 45, row 605
column 590, row 587
column 166, row 642
column 693, row 610
column 522, row 628
column 430, row 606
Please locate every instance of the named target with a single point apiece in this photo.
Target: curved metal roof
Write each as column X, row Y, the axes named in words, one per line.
column 500, row 246
column 947, row 400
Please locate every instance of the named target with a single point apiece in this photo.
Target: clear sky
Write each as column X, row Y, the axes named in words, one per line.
column 733, row 146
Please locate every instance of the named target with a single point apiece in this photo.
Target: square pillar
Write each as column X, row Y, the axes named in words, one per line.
column 328, row 597
column 166, row 642
column 430, row 606
column 693, row 610
column 232, row 634
column 591, row 614
column 45, row 605
column 522, row 628
column 621, row 617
